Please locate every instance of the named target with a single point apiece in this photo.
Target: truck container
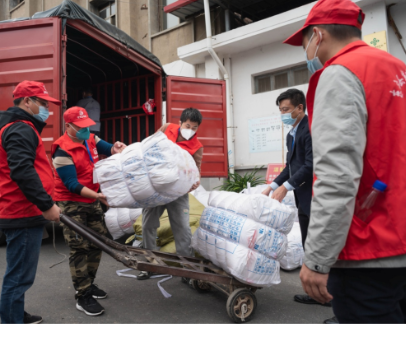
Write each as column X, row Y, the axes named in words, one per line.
column 69, row 48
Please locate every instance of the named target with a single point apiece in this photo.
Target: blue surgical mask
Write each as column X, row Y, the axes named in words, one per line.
column 83, row 134
column 43, row 113
column 287, row 119
column 314, row 64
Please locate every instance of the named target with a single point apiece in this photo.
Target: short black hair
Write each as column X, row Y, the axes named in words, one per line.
column 192, row 114
column 337, row 31
column 295, row 96
column 88, row 90
column 17, row 101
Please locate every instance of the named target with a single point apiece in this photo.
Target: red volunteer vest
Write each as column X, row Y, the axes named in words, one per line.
column 83, row 164
column 13, row 203
column 192, row 145
column 384, row 79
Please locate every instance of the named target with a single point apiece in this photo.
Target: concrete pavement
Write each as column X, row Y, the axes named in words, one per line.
column 133, row 301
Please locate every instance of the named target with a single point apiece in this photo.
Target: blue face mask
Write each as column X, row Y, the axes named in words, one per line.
column 43, row 113
column 314, row 64
column 83, row 134
column 287, row 119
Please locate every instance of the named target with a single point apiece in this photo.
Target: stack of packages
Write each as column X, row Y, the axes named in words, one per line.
column 246, row 235
column 147, row 174
column 120, row 221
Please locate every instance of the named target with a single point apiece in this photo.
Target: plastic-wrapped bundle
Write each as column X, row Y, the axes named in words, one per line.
column 120, row 221
column 246, row 265
column 147, row 174
column 244, row 231
column 256, row 207
column 294, row 254
column 245, row 235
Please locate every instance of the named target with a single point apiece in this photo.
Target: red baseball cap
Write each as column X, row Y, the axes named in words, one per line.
column 78, row 116
column 343, row 12
column 29, row 88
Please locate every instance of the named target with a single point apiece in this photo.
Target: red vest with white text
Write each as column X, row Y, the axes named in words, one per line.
column 192, row 145
column 384, row 80
column 13, row 203
column 83, row 164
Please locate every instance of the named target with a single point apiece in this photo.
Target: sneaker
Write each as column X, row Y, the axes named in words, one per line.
column 87, row 304
column 31, row 319
column 97, row 293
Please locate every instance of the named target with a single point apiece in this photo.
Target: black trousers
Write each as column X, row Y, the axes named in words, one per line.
column 368, row 295
column 304, row 220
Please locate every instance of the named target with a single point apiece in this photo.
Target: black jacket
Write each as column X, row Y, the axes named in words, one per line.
column 299, row 166
column 20, row 143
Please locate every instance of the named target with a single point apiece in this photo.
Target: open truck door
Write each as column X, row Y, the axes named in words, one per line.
column 209, row 97
column 31, row 50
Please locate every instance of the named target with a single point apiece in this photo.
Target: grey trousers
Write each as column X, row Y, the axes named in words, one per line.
column 178, row 212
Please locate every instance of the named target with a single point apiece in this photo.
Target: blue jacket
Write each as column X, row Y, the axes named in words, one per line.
column 299, row 166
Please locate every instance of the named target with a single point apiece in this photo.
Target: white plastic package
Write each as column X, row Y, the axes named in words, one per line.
column 257, row 207
column 293, row 258
column 244, row 232
column 120, row 221
column 147, row 174
column 246, row 265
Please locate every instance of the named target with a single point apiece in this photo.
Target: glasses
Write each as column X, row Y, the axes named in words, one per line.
column 41, row 102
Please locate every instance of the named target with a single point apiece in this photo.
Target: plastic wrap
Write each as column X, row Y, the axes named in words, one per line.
column 147, row 174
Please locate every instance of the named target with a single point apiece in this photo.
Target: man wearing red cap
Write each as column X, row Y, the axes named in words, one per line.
column 74, row 155
column 26, row 190
column 356, row 243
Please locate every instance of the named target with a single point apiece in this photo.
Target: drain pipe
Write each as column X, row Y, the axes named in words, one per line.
column 230, row 118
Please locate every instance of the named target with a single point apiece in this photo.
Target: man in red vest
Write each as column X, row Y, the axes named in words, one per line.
column 184, row 135
column 26, row 190
column 356, row 111
column 74, row 155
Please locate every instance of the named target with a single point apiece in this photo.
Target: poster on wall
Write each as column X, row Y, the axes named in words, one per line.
column 265, row 134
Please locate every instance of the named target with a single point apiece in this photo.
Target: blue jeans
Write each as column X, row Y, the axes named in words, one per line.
column 23, row 247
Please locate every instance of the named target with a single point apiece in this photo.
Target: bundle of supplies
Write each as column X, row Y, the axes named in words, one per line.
column 120, row 221
column 294, row 254
column 246, row 235
column 153, row 172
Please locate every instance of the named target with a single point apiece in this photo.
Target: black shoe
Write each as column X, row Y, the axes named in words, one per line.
column 32, row 319
column 97, row 293
column 145, row 275
column 333, row 320
column 305, row 299
column 86, row 303
column 185, row 280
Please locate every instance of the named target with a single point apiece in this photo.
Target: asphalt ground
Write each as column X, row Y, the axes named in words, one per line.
column 134, row 301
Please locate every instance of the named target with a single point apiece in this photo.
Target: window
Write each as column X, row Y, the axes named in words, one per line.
column 282, row 79
column 108, row 12
column 14, row 3
column 168, row 20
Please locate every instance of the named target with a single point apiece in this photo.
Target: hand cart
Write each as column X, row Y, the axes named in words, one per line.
column 203, row 274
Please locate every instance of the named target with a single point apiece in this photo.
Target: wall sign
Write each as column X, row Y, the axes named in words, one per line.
column 377, row 40
column 273, row 171
column 265, row 134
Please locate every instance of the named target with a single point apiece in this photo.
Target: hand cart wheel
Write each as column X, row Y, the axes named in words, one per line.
column 201, row 286
column 241, row 305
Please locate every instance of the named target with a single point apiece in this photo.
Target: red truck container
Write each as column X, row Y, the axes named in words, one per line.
column 68, row 54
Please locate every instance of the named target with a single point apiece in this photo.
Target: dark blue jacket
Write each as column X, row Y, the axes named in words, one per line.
column 299, row 166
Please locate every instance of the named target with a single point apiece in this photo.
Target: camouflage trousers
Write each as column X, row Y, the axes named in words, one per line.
column 84, row 258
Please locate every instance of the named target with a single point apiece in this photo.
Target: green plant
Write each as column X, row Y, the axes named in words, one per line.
column 237, row 183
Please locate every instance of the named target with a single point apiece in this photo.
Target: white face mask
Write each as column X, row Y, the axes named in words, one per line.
column 187, row 133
